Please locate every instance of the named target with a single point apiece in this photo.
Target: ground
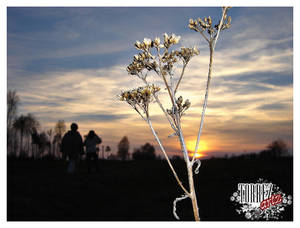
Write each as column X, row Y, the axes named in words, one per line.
column 133, row 190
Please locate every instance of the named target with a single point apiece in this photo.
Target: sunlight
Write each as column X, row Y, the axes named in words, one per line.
column 197, row 155
column 190, row 144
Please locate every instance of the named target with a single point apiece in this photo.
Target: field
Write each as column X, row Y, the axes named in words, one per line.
column 133, row 190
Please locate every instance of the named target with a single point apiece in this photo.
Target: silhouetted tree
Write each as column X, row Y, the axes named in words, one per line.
column 146, row 152
column 107, row 150
column 26, row 125
column 35, row 141
column 59, row 129
column 277, row 148
column 123, row 148
column 12, row 106
column 43, row 143
column 50, row 136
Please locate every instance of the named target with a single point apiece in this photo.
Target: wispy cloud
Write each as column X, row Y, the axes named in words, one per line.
column 74, row 68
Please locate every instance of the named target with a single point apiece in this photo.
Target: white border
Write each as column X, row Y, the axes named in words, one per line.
column 43, row 3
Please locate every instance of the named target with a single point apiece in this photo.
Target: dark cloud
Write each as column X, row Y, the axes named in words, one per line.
column 96, row 117
column 275, row 106
column 272, row 78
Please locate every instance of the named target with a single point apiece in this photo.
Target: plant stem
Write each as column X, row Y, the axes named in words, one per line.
column 212, row 45
column 182, row 72
column 205, row 99
column 167, row 158
column 193, row 196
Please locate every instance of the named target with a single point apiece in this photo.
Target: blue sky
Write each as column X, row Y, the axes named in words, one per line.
column 70, row 63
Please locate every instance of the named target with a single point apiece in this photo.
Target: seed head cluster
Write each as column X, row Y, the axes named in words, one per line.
column 207, row 25
column 181, row 107
column 140, row 97
column 163, row 63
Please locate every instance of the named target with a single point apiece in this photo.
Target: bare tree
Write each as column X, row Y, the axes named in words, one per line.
column 26, row 125
column 277, row 148
column 12, row 107
column 123, row 148
column 59, row 129
column 50, row 138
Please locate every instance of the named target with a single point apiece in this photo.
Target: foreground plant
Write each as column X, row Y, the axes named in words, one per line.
column 160, row 57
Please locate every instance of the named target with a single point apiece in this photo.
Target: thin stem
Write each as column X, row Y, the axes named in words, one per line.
column 205, row 102
column 201, row 32
column 164, row 78
column 212, row 45
column 220, row 26
column 176, row 114
column 193, row 196
column 167, row 158
column 161, row 107
column 182, row 72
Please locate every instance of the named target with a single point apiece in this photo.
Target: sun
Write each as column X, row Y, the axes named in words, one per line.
column 191, row 144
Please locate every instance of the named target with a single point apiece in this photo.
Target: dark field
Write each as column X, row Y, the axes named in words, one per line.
column 134, row 190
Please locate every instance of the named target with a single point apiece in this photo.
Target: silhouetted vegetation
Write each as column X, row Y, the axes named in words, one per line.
column 123, row 148
column 38, row 187
column 145, row 152
column 41, row 190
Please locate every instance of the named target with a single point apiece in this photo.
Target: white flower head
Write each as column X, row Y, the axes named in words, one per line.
column 195, row 50
column 157, row 41
column 166, row 37
column 174, row 39
column 137, row 44
column 147, row 42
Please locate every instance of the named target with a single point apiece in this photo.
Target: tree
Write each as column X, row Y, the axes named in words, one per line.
column 123, row 148
column 59, row 129
column 50, row 136
column 43, row 143
column 35, row 141
column 12, row 106
column 146, row 152
column 277, row 148
column 26, row 125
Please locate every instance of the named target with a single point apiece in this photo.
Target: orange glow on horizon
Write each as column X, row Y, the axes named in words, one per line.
column 197, row 155
column 191, row 144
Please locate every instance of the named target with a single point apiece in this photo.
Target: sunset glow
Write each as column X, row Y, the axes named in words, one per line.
column 191, row 144
column 76, row 71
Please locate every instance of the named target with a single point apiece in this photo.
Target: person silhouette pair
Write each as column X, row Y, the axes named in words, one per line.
column 72, row 147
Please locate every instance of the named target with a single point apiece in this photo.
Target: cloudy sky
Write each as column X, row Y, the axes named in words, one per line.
column 70, row 64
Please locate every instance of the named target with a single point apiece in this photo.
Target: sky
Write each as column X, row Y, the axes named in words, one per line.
column 70, row 64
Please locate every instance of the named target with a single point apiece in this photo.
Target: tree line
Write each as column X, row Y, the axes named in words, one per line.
column 25, row 139
column 24, row 135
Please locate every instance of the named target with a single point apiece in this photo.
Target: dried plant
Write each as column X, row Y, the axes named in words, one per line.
column 160, row 57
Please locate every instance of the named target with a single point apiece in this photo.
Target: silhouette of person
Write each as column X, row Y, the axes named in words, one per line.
column 72, row 147
column 91, row 142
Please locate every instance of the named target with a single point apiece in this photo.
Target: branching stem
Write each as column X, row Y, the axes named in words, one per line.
column 167, row 158
column 212, row 45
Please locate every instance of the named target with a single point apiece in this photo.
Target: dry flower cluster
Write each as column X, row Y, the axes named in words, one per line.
column 140, row 98
column 162, row 62
column 160, row 57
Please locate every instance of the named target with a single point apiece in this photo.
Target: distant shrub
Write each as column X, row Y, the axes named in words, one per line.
column 145, row 152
